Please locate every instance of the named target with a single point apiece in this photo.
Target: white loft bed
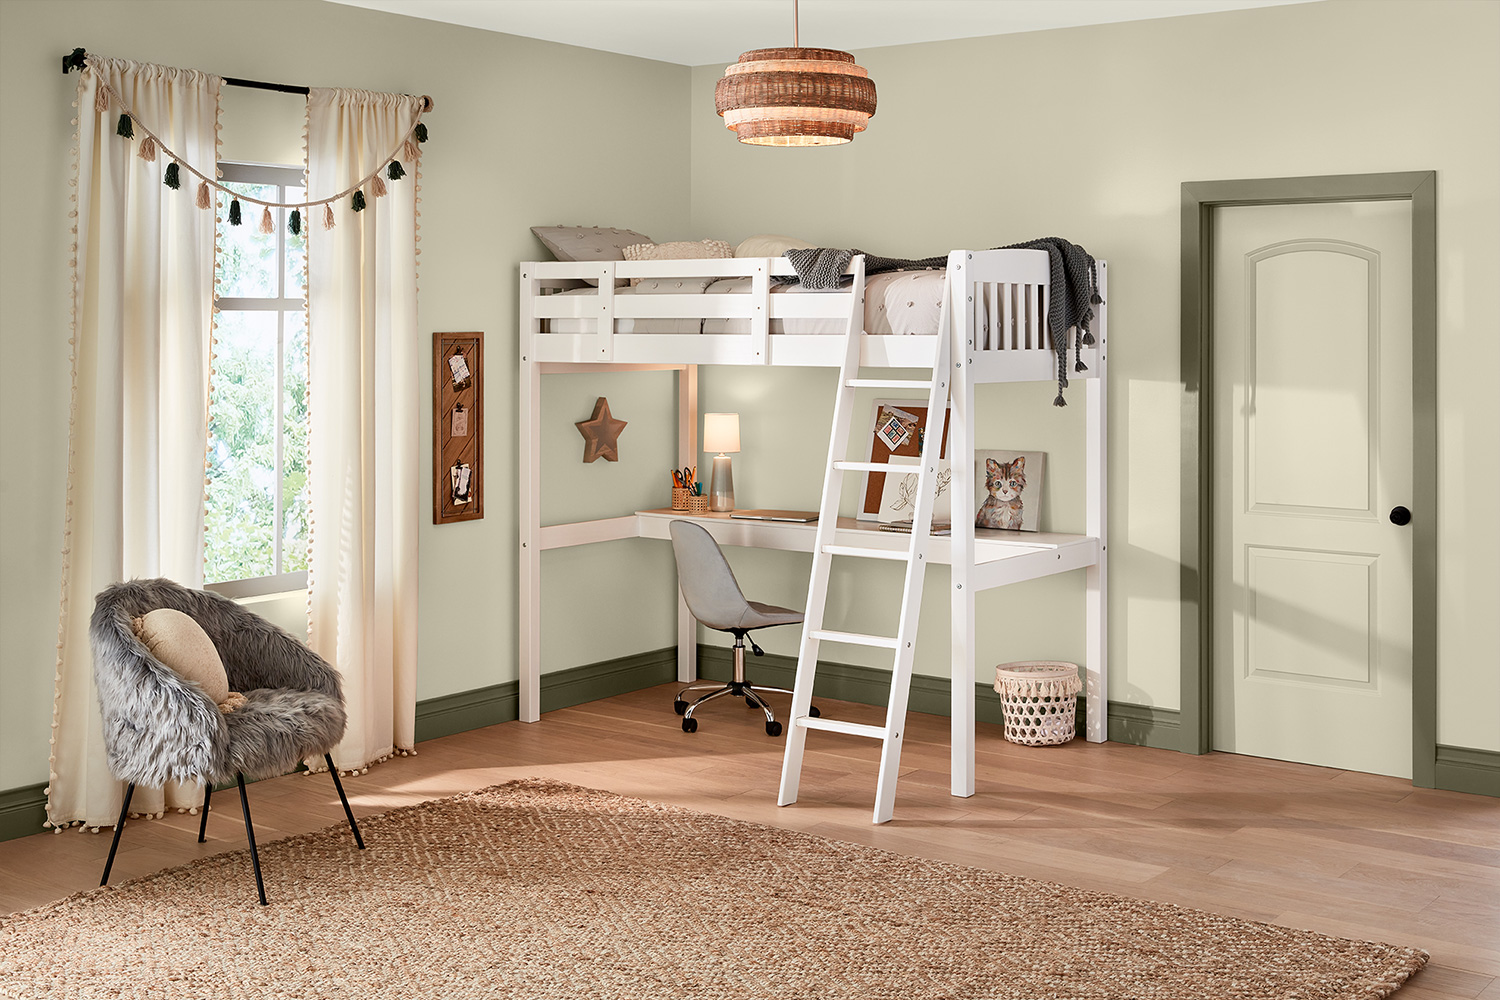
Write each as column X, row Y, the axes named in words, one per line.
column 999, row 332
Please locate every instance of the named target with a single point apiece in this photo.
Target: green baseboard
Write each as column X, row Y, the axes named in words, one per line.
column 22, row 811
column 1464, row 769
column 489, row 706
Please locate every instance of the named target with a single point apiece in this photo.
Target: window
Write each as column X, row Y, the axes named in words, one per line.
column 256, row 516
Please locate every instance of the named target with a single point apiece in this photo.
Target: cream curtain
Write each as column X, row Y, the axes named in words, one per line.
column 363, row 365
column 142, row 296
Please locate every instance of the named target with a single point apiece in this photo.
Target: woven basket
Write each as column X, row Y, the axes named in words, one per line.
column 681, row 498
column 698, row 505
column 1040, row 698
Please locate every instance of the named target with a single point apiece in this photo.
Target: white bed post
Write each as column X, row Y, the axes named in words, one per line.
column 529, row 561
column 687, row 455
column 961, row 452
column 1096, row 579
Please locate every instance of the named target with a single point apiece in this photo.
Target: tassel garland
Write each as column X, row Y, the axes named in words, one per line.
column 266, row 225
column 294, row 223
column 377, row 187
column 420, row 132
column 327, row 216
column 395, row 171
column 204, row 198
column 101, row 101
column 234, row 212
column 358, row 201
column 172, row 179
column 409, row 151
column 148, row 149
column 125, row 129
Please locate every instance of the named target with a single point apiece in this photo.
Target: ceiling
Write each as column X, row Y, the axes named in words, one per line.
column 700, row 32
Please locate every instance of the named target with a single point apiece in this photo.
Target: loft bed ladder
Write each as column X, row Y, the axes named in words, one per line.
column 903, row 643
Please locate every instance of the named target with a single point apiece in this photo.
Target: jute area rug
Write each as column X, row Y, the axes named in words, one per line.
column 538, row 889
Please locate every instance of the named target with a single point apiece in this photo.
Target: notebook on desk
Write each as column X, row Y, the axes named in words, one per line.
column 800, row 516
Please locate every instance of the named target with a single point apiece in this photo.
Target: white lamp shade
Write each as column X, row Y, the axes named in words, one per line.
column 721, row 432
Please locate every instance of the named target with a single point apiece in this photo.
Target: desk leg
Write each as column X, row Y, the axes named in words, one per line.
column 529, row 561
column 687, row 455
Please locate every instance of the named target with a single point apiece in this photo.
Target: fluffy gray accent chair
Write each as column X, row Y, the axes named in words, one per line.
column 160, row 727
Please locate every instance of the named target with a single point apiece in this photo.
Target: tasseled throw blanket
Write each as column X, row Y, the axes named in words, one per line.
column 1072, row 269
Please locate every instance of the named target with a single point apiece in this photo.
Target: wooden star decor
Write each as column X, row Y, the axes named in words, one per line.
column 601, row 434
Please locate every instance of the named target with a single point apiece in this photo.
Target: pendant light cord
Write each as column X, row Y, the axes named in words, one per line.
column 796, row 42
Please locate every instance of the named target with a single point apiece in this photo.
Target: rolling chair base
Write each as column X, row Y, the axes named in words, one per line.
column 738, row 688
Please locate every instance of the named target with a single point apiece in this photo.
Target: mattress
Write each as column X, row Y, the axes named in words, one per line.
column 899, row 303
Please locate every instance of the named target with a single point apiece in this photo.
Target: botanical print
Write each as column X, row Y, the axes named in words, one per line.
column 1004, row 499
column 898, row 498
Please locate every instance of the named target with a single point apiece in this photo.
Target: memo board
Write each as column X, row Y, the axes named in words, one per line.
column 457, row 427
column 877, row 449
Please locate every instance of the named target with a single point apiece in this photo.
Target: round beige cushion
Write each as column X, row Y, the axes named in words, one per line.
column 181, row 644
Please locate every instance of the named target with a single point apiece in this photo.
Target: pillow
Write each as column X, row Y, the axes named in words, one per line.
column 766, row 245
column 587, row 243
column 685, row 250
column 181, row 645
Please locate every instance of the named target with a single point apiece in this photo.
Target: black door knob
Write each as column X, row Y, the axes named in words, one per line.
column 1400, row 516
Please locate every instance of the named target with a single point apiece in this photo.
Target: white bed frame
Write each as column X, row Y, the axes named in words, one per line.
column 999, row 331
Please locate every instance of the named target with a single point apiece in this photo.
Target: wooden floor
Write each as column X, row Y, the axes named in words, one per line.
column 1333, row 851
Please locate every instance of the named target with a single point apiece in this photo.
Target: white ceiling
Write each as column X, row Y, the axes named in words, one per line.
column 700, row 32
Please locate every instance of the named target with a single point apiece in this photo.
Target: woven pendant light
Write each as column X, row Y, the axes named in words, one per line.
column 795, row 96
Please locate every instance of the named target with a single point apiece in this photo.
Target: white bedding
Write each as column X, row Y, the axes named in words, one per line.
column 901, row 303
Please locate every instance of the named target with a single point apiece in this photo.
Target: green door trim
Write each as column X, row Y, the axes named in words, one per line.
column 1199, row 199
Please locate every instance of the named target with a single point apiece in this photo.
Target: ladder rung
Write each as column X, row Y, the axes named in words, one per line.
column 887, row 383
column 873, row 467
column 855, row 638
column 835, row 726
column 895, row 555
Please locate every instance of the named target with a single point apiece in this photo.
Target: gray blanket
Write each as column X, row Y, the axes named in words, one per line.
column 1073, row 271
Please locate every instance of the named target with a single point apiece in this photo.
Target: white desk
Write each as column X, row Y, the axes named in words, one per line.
column 1001, row 557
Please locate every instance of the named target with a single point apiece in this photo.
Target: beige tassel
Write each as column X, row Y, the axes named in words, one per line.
column 377, row 186
column 204, row 199
column 328, row 216
column 266, row 225
column 148, row 149
column 101, row 100
column 409, row 151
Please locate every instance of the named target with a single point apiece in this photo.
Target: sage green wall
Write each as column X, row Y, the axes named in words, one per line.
column 1087, row 133
column 502, row 158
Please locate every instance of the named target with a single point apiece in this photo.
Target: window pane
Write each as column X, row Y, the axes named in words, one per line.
column 247, row 257
column 240, row 509
column 295, row 507
column 296, row 246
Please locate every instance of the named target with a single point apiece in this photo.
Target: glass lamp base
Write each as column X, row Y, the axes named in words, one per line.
column 721, row 486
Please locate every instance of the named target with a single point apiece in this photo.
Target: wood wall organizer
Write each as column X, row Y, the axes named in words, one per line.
column 457, row 427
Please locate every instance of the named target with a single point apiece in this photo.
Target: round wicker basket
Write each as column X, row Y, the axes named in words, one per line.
column 1040, row 698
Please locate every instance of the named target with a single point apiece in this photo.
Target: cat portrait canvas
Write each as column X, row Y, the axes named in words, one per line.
column 1008, row 486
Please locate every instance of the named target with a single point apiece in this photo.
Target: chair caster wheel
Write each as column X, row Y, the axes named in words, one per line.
column 679, row 706
column 690, row 725
column 812, row 710
column 773, row 729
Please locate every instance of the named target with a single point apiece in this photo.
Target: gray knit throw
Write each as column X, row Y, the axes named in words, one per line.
column 822, row 269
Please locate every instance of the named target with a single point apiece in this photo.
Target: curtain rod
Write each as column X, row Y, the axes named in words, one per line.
column 74, row 60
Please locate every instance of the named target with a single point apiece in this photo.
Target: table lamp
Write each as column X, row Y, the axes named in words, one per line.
column 721, row 433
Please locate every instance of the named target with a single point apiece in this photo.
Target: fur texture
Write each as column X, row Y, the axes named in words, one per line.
column 1004, row 508
column 160, row 727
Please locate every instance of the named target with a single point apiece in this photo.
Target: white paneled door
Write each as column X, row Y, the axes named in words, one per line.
column 1312, row 424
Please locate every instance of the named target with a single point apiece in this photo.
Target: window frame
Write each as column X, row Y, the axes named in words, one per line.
column 283, row 177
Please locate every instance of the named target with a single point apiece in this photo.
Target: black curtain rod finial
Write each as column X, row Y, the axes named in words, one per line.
column 73, row 60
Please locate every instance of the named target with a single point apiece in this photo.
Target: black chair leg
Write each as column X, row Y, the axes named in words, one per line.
column 344, row 799
column 119, row 828
column 260, row 886
column 208, row 793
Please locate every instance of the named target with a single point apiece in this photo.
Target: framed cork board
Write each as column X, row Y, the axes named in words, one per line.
column 898, row 428
column 457, row 427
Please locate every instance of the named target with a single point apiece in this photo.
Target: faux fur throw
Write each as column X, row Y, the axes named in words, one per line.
column 1073, row 270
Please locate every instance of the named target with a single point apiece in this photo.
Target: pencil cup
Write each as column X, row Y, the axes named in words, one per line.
column 681, row 498
column 697, row 504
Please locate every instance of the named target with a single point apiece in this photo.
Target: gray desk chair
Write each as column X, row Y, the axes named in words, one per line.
column 714, row 598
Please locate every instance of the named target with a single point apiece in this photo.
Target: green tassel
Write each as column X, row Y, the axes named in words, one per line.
column 421, row 132
column 294, row 223
column 172, row 180
column 358, row 204
column 395, row 171
column 124, row 128
column 234, row 212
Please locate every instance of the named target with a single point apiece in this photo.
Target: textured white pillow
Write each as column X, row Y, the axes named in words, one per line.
column 181, row 644
column 682, row 250
column 587, row 243
column 766, row 245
